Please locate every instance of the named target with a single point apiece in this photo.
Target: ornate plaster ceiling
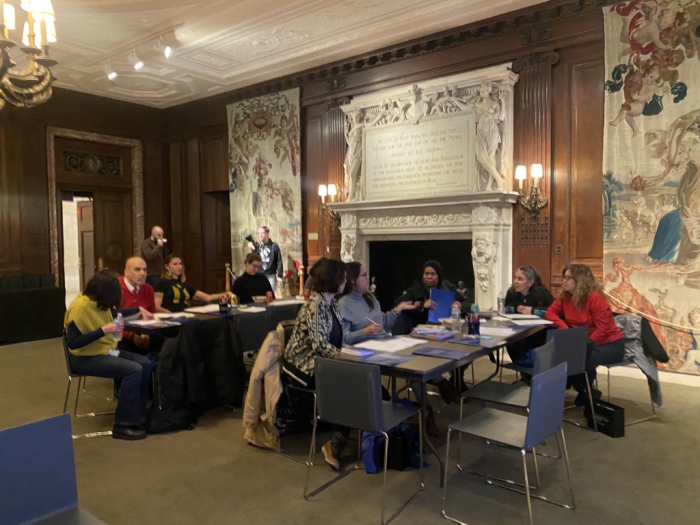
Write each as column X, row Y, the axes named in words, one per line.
column 228, row 44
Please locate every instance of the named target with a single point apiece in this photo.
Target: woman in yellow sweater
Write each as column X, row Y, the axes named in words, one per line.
column 90, row 330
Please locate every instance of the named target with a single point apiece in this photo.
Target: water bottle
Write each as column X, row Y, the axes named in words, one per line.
column 119, row 321
column 474, row 327
column 501, row 304
column 455, row 314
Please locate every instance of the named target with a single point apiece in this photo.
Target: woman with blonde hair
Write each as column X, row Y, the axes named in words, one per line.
column 173, row 293
column 581, row 303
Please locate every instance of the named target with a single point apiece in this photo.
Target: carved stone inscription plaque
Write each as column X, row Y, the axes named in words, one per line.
column 429, row 159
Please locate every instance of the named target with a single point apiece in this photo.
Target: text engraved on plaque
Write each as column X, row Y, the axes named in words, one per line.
column 426, row 160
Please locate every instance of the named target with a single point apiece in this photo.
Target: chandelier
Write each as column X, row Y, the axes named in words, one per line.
column 28, row 86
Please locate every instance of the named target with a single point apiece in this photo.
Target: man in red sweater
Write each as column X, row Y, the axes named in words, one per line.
column 136, row 293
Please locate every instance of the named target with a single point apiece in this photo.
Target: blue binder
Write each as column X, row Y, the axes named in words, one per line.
column 443, row 300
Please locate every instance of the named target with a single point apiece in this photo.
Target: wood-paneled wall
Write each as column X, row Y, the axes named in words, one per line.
column 557, row 48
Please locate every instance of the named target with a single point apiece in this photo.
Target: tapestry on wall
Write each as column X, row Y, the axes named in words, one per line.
column 651, row 180
column 264, row 186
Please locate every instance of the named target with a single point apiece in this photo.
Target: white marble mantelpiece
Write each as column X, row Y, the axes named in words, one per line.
column 485, row 218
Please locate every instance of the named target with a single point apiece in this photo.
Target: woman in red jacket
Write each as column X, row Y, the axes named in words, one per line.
column 582, row 304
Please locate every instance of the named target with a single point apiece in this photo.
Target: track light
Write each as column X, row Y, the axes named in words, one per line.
column 162, row 47
column 134, row 60
column 109, row 71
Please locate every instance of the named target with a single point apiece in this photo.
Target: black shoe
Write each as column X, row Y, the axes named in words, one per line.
column 128, row 433
column 582, row 398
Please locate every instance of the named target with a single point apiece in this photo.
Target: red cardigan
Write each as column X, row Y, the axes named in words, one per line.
column 597, row 315
column 144, row 299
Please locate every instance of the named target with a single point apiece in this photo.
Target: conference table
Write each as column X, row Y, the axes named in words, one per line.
column 217, row 343
column 423, row 369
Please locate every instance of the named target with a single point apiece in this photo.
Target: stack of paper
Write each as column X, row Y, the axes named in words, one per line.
column 497, row 331
column 251, row 309
column 207, row 309
column 176, row 315
column 395, row 344
column 532, row 322
column 289, row 300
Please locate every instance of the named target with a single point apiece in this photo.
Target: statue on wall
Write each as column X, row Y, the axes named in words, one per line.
column 448, row 102
column 353, row 157
column 484, row 258
column 347, row 252
column 490, row 114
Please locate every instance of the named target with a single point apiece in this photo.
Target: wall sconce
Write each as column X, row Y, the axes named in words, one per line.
column 534, row 201
column 330, row 191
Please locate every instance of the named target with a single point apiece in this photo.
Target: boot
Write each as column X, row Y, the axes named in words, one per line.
column 333, row 449
column 449, row 392
column 431, row 427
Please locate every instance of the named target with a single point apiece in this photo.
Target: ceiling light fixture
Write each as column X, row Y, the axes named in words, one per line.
column 163, row 48
column 134, row 60
column 109, row 71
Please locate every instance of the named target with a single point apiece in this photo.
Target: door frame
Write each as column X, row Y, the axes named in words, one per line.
column 136, row 185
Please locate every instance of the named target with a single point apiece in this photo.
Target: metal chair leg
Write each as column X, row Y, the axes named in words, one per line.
column 523, row 452
column 85, row 390
column 590, row 404
column 86, row 414
column 65, row 402
column 568, row 467
column 640, row 420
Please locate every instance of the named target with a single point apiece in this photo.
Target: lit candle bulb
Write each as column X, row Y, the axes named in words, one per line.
column 536, row 174
column 520, row 175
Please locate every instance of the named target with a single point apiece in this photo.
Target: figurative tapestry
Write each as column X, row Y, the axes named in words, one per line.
column 265, row 164
column 651, row 180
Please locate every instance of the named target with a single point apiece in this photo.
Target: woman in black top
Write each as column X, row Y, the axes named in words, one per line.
column 251, row 282
column 172, row 294
column 527, row 296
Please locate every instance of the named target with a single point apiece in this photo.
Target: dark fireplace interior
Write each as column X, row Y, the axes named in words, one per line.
column 397, row 264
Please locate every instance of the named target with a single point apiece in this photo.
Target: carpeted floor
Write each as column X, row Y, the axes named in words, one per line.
column 211, row 476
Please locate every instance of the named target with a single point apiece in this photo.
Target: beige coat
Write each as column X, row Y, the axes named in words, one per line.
column 264, row 391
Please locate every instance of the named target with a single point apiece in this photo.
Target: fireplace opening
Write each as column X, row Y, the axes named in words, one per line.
column 395, row 265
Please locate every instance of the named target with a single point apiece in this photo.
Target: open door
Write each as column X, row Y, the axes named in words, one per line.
column 112, row 230
column 86, row 240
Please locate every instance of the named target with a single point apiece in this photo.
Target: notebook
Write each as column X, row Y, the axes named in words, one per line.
column 443, row 300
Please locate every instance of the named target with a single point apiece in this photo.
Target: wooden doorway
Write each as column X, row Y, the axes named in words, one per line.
column 110, row 170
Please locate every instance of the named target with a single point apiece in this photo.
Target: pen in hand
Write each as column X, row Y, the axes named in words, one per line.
column 371, row 320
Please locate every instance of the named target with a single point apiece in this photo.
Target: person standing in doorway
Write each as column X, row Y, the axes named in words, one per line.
column 271, row 256
column 153, row 252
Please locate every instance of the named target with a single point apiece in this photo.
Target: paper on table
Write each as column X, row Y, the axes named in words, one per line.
column 207, row 309
column 494, row 330
column 251, row 310
column 395, row 344
column 289, row 300
column 355, row 351
column 173, row 315
column 521, row 316
column 152, row 322
column 532, row 322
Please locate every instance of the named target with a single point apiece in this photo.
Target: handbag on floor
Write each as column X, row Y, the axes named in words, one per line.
column 610, row 418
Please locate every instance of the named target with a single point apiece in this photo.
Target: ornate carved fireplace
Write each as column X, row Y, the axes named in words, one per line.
column 433, row 161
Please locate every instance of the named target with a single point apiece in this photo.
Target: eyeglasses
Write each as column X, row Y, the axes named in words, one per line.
column 569, row 278
column 363, row 275
column 257, row 266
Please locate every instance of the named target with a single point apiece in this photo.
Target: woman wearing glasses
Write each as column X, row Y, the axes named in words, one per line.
column 582, row 304
column 251, row 283
column 362, row 316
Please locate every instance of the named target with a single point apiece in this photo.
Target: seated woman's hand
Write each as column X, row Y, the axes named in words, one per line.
column 111, row 328
column 525, row 310
column 372, row 329
column 407, row 305
column 145, row 314
column 429, row 304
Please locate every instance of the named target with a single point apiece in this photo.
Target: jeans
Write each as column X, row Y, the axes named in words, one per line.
column 133, row 370
column 605, row 354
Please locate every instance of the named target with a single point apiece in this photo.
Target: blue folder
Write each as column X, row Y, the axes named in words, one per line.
column 443, row 300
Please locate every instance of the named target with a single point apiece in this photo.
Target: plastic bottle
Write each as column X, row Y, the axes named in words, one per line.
column 455, row 314
column 119, row 321
column 501, row 304
column 474, row 318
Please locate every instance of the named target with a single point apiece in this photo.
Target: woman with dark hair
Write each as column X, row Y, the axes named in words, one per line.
column 311, row 281
column 90, row 331
column 581, row 303
column 527, row 295
column 251, row 282
column 173, row 294
column 318, row 332
column 419, row 292
column 362, row 316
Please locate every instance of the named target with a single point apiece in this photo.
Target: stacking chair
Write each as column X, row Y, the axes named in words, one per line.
column 81, row 379
column 522, row 432
column 38, row 482
column 349, row 394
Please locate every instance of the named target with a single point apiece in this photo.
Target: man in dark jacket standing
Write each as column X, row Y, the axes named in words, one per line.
column 271, row 256
column 153, row 252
